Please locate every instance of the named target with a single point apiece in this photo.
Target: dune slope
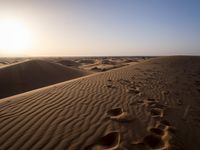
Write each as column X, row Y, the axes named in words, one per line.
column 33, row 74
column 68, row 63
column 151, row 105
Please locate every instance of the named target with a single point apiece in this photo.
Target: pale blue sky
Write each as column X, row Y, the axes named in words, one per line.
column 109, row 27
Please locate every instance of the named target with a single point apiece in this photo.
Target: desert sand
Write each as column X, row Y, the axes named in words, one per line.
column 150, row 105
column 32, row 74
column 18, row 75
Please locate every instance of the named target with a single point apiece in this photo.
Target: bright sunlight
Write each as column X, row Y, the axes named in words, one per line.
column 15, row 37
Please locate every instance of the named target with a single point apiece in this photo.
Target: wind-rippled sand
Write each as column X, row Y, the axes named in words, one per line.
column 152, row 105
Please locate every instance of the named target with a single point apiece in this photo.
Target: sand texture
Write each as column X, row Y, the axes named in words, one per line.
column 154, row 104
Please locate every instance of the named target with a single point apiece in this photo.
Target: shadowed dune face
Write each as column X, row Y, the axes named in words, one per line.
column 33, row 74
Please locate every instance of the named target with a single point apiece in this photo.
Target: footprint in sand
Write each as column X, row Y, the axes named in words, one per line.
column 171, row 129
column 152, row 103
column 110, row 85
column 157, row 112
column 165, row 93
column 134, row 90
column 135, row 102
column 165, row 122
column 151, row 141
column 154, row 141
column 109, row 80
column 110, row 141
column 156, row 131
column 155, row 108
column 157, row 138
column 118, row 114
column 151, row 100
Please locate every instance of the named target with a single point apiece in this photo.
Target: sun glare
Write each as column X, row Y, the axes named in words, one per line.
column 15, row 37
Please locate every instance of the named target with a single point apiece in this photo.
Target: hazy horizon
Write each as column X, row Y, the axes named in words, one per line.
column 99, row 28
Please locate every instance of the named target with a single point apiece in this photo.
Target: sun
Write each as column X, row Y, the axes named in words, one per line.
column 15, row 37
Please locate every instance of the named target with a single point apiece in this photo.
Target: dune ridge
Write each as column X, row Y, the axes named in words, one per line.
column 150, row 105
column 32, row 74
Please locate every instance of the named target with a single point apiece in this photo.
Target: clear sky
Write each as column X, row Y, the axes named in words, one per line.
column 100, row 27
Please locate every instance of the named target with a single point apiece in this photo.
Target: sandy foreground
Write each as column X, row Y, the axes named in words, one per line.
column 151, row 105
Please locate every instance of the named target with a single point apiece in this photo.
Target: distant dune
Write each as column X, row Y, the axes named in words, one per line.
column 69, row 63
column 151, row 105
column 32, row 74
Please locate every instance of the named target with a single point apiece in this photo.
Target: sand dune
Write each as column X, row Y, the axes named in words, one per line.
column 33, row 74
column 151, row 105
column 69, row 63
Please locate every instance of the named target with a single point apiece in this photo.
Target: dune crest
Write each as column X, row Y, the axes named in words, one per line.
column 32, row 74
